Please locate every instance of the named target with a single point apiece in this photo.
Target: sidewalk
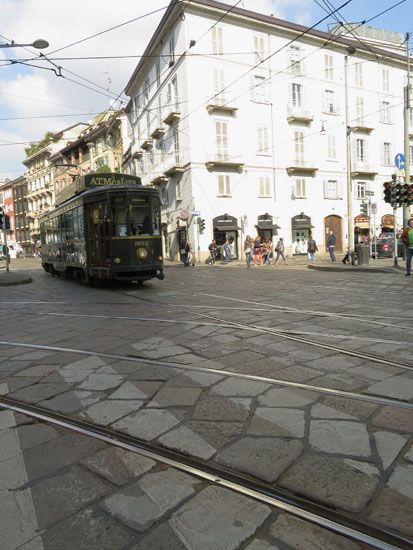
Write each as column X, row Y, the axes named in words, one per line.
column 8, row 278
column 382, row 265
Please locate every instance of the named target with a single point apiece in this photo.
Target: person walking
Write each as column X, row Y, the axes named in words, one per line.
column 227, row 251
column 407, row 239
column 279, row 249
column 311, row 248
column 267, row 252
column 248, row 246
column 331, row 243
column 188, row 254
column 213, row 250
column 257, row 251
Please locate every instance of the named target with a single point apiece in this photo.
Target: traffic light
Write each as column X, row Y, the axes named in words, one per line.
column 410, row 194
column 364, row 208
column 387, row 191
column 1, row 218
column 7, row 222
column 201, row 223
column 394, row 194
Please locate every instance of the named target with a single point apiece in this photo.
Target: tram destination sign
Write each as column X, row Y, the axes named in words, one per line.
column 94, row 180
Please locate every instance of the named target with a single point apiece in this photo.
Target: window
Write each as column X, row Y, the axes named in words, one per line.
column 158, row 72
column 358, row 74
column 146, row 87
column 332, row 189
column 361, row 190
column 385, row 112
column 387, row 156
column 224, row 186
column 299, row 146
column 295, row 60
column 221, row 137
column 217, row 40
column 264, row 186
column 360, row 150
column 331, row 144
column 299, row 190
column 178, row 191
column 219, row 85
column 296, row 95
column 262, row 133
column 360, row 110
column 172, row 94
column 328, row 67
column 260, row 89
column 385, row 80
column 171, row 48
column 259, row 49
column 329, row 102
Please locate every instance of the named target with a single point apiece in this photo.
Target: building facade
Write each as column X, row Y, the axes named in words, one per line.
column 6, row 201
column 21, row 221
column 284, row 136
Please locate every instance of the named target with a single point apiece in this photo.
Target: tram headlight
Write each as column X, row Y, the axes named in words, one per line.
column 142, row 252
column 160, row 258
column 117, row 260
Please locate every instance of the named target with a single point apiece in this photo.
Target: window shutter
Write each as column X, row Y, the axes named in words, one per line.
column 325, row 185
column 339, row 189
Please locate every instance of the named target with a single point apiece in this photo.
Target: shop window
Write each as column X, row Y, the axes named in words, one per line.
column 224, row 185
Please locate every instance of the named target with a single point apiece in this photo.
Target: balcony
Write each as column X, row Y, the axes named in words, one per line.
column 299, row 114
column 361, row 168
column 300, row 166
column 173, row 115
column 220, row 105
column 159, row 128
column 361, row 126
column 137, row 154
column 223, row 159
column 158, row 178
column 147, row 144
column 173, row 165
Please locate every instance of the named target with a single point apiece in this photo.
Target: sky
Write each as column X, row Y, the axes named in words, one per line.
column 33, row 99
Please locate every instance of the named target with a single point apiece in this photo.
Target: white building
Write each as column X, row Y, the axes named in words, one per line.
column 236, row 116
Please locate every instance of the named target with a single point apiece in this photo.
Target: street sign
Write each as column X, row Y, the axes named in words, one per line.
column 195, row 212
column 400, row 161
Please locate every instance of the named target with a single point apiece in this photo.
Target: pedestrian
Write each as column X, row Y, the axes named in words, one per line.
column 331, row 243
column 407, row 239
column 213, row 250
column 279, row 249
column 311, row 248
column 248, row 246
column 227, row 251
column 257, row 251
column 188, row 254
column 267, row 252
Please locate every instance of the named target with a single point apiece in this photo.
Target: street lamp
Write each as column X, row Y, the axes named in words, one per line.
column 39, row 44
column 350, row 228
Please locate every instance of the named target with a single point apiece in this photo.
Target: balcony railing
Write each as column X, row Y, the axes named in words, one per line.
column 299, row 114
column 299, row 165
column 224, row 158
column 221, row 104
column 360, row 167
column 173, row 165
column 361, row 125
column 173, row 112
column 158, row 127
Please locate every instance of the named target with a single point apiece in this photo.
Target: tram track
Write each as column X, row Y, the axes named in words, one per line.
column 334, row 520
column 387, row 401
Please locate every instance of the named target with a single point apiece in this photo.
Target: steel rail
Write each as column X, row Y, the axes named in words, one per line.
column 170, row 364
column 340, row 523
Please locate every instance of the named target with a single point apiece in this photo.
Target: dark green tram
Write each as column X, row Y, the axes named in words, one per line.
column 106, row 227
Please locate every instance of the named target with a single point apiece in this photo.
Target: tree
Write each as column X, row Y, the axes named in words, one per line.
column 104, row 169
column 49, row 137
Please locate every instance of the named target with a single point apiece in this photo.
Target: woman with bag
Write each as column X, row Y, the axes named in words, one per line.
column 248, row 244
column 311, row 249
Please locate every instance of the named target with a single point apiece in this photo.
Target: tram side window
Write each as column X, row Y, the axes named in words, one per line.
column 156, row 220
column 70, row 225
column 120, row 223
column 80, row 222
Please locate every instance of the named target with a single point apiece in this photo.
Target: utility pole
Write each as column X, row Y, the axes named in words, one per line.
column 350, row 226
column 407, row 92
column 6, row 250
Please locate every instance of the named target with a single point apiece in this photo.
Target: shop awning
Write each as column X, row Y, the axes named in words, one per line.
column 225, row 223
column 266, row 222
column 301, row 222
column 363, row 222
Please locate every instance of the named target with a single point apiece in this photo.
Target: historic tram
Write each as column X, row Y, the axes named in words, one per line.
column 104, row 227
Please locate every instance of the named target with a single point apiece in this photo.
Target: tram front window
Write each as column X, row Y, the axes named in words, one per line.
column 132, row 220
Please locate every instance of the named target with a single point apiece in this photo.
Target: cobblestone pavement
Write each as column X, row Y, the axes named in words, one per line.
column 180, row 391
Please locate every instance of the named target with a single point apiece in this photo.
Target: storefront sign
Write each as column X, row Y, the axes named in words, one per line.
column 361, row 219
column 301, row 221
column 222, row 223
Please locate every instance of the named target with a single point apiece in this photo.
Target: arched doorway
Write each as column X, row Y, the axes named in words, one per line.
column 334, row 223
column 226, row 228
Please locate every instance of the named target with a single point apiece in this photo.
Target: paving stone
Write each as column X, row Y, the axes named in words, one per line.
column 216, row 434
column 298, row 373
column 241, row 388
column 39, row 392
column 352, row 407
column 9, row 444
column 101, row 381
column 395, row 419
column 347, row 438
column 400, row 387
column 35, row 434
column 365, row 467
column 277, row 422
column 155, row 372
column 72, row 401
column 128, row 390
column 261, row 544
column 87, row 530
column 402, row 480
column 284, row 397
column 297, row 533
column 194, row 379
column 18, row 514
column 263, row 458
column 409, row 455
column 188, row 442
column 61, row 495
column 175, row 397
column 388, row 446
column 322, row 411
column 32, row 355
column 393, row 510
column 212, row 407
column 79, row 370
column 107, row 412
column 147, row 424
column 14, row 367
column 218, row 518
column 161, row 538
column 338, row 382
column 374, row 373
column 118, row 465
column 331, row 481
column 147, row 500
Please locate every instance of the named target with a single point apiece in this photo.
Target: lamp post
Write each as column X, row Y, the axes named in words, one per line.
column 350, row 227
column 39, row 44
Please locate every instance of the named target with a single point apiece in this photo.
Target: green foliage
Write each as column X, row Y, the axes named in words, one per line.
column 104, row 169
column 49, row 137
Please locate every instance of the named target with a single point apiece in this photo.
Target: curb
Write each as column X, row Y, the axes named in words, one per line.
column 10, row 279
column 355, row 269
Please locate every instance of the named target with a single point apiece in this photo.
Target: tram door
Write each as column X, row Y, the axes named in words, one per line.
column 98, row 226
